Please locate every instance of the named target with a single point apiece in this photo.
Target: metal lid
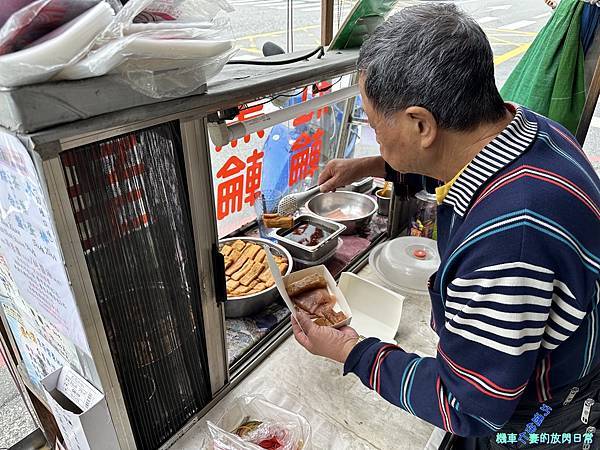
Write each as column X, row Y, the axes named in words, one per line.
column 426, row 196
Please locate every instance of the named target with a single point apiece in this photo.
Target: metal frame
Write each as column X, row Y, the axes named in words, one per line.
column 85, row 299
column 201, row 197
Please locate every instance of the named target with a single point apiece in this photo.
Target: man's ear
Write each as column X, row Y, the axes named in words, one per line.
column 424, row 124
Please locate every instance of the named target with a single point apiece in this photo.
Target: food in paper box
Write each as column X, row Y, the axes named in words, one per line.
column 311, row 295
column 246, row 270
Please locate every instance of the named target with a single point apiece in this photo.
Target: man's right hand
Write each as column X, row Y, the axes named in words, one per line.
column 341, row 172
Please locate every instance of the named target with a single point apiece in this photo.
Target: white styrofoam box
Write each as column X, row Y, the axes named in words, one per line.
column 80, row 411
column 342, row 303
column 376, row 310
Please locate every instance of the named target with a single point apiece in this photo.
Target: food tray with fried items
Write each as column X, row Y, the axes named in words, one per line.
column 248, row 276
column 315, row 292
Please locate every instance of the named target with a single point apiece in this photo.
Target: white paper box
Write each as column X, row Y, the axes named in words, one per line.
column 80, row 411
column 342, row 303
column 377, row 310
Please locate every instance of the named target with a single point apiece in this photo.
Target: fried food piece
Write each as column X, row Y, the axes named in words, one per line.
column 226, row 250
column 238, row 245
column 277, row 221
column 244, row 270
column 239, row 263
column 313, row 301
column 308, row 283
column 253, row 284
column 280, row 259
column 228, row 261
column 260, row 256
column 260, row 286
column 235, row 255
column 333, row 316
column 282, row 268
column 322, row 322
column 251, row 250
column 254, row 271
column 241, row 290
column 270, row 282
column 232, row 285
column 265, row 275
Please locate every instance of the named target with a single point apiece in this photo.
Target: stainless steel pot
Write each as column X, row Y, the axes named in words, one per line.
column 248, row 305
column 358, row 209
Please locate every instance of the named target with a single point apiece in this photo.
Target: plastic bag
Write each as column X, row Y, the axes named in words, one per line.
column 169, row 58
column 23, row 22
column 43, row 58
column 267, row 426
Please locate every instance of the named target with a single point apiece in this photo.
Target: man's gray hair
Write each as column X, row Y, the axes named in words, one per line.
column 436, row 57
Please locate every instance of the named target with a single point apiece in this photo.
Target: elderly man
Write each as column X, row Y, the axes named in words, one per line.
column 515, row 299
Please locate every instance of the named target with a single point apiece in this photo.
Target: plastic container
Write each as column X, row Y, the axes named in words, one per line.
column 292, row 430
column 424, row 222
column 376, row 311
column 406, row 263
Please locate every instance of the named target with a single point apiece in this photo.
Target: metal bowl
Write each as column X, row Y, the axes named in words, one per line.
column 358, row 209
column 247, row 305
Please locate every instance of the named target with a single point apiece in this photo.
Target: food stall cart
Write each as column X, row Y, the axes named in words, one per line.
column 140, row 197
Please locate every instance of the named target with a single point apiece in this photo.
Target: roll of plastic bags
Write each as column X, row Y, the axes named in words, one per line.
column 43, row 58
column 36, row 19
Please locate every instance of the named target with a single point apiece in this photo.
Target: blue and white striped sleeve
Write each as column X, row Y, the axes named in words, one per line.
column 501, row 309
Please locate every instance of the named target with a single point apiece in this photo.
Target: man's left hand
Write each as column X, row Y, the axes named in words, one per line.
column 324, row 341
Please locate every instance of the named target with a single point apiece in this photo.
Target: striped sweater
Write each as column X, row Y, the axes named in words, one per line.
column 515, row 299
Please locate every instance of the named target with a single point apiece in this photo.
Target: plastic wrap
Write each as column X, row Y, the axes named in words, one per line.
column 279, row 429
column 41, row 59
column 169, row 58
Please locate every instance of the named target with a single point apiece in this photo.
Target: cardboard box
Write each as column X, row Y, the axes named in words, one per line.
column 80, row 411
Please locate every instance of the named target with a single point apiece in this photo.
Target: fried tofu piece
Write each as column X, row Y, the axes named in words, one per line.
column 280, row 259
column 260, row 286
column 226, row 250
column 253, row 284
column 239, row 263
column 235, row 255
column 265, row 275
column 238, row 245
column 277, row 221
column 254, row 271
column 308, row 283
column 260, row 256
column 244, row 270
column 322, row 322
column 231, row 285
column 241, row 290
column 228, row 261
column 282, row 268
column 270, row 282
column 251, row 250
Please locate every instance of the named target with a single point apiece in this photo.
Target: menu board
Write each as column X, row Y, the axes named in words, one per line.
column 34, row 289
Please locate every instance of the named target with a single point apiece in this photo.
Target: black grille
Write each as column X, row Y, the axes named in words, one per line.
column 130, row 203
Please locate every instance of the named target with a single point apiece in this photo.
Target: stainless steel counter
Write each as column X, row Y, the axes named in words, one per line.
column 343, row 413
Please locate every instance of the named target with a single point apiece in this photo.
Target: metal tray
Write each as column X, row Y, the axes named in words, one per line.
column 248, row 305
column 316, row 252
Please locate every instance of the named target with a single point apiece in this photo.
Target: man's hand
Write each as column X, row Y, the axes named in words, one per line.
column 341, row 172
column 324, row 341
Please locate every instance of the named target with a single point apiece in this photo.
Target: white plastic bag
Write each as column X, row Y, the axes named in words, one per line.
column 162, row 59
column 266, row 423
column 44, row 57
